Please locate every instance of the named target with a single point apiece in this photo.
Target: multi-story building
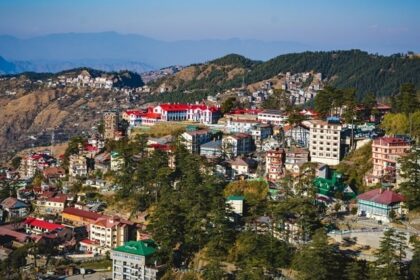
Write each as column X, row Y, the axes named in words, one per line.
column 109, row 232
column 237, row 144
column 194, row 139
column 325, row 141
column 240, row 125
column 274, row 117
column 297, row 135
column 52, row 205
column 37, row 226
column 77, row 166
column 385, row 153
column 34, row 162
column 110, row 124
column 274, row 161
column 78, row 217
column 133, row 261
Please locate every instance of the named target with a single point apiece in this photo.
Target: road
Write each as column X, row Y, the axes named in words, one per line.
column 94, row 276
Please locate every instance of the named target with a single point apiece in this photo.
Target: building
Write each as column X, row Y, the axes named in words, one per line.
column 241, row 166
column 78, row 217
column 109, row 232
column 329, row 188
column 194, row 139
column 33, row 162
column 77, row 166
column 297, row 135
column 385, row 153
column 237, row 144
column 379, row 203
column 134, row 260
column 236, row 204
column 117, row 161
column 274, row 117
column 51, row 205
column 212, row 149
column 14, row 208
column 295, row 158
column 110, row 124
column 325, row 141
column 240, row 125
column 133, row 117
column 37, row 226
column 274, row 161
column 188, row 112
column 260, row 132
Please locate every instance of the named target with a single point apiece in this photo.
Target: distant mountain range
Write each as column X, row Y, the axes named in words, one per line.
column 110, row 51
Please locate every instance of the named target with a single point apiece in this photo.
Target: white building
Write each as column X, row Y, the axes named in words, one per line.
column 325, row 142
column 275, row 117
column 236, row 204
column 133, row 261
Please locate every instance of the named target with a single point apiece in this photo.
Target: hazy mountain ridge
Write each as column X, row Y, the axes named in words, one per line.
column 45, row 53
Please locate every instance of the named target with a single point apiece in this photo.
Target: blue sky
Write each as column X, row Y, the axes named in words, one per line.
column 366, row 24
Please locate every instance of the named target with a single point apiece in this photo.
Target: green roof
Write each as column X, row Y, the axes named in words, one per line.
column 142, row 248
column 235, row 197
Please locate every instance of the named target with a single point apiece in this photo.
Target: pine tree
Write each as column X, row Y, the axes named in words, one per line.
column 410, row 172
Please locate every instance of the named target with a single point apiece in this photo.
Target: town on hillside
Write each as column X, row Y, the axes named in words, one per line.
column 176, row 189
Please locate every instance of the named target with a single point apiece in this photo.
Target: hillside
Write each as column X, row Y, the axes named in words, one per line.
column 357, row 69
column 30, row 110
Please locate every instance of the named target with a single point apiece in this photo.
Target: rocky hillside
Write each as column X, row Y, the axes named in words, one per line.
column 30, row 111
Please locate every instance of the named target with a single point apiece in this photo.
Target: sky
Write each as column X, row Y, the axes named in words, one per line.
column 321, row 24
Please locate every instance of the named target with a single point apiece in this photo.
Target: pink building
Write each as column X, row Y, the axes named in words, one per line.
column 385, row 153
column 274, row 161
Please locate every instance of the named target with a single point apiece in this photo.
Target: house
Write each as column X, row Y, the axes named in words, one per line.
column 194, row 139
column 77, row 166
column 241, row 166
column 33, row 162
column 37, row 226
column 212, row 149
column 117, row 162
column 14, row 208
column 333, row 187
column 134, row 260
column 166, row 148
column 240, row 125
column 295, row 158
column 379, row 203
column 274, row 117
column 325, row 141
column 297, row 135
column 274, row 161
column 78, row 217
column 51, row 205
column 53, row 173
column 133, row 117
column 237, row 144
column 236, row 204
column 260, row 132
column 385, row 153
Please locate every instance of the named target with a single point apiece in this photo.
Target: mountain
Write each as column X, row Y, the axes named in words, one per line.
column 6, row 67
column 365, row 72
column 113, row 50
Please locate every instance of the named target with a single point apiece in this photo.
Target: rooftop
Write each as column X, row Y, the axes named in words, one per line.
column 143, row 248
column 381, row 196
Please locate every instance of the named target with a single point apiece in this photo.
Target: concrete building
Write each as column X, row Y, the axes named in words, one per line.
column 385, row 153
column 133, row 261
column 77, row 166
column 194, row 139
column 212, row 149
column 274, row 161
column 109, row 232
column 295, row 158
column 237, row 144
column 378, row 204
column 236, row 204
column 110, row 124
column 325, row 141
column 274, row 117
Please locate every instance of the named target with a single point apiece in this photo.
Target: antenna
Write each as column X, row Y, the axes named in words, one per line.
column 52, row 142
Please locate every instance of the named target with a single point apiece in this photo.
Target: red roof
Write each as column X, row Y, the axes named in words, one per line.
column 184, row 107
column 151, row 115
column 245, row 111
column 88, row 241
column 82, row 213
column 381, row 196
column 33, row 222
column 161, row 147
column 134, row 112
column 58, row 198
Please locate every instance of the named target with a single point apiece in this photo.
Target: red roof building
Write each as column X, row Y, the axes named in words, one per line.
column 37, row 226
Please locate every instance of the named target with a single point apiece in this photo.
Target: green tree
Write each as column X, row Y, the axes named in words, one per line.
column 395, row 124
column 410, row 173
column 357, row 270
column 317, row 260
column 406, row 100
column 16, row 162
column 414, row 266
column 389, row 257
column 323, row 101
column 228, row 105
